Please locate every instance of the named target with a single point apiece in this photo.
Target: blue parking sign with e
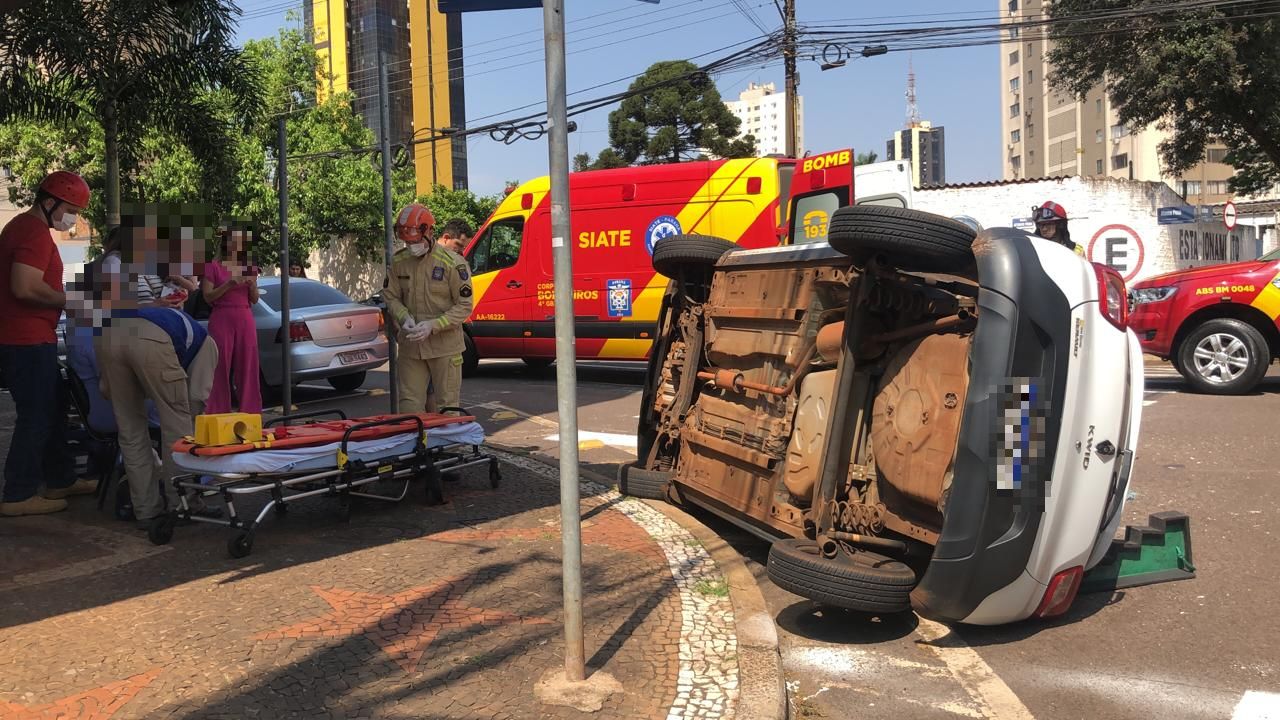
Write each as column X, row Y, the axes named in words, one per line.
column 619, row 296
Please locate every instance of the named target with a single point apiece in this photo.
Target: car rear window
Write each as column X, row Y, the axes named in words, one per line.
column 302, row 295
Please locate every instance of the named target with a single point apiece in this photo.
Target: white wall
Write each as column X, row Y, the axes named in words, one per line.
column 1115, row 220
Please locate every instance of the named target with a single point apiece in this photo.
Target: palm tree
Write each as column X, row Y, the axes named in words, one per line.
column 133, row 66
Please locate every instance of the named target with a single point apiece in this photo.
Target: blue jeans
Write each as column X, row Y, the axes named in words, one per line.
column 38, row 449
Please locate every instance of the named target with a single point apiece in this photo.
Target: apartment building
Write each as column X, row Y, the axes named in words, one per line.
column 423, row 51
column 924, row 146
column 763, row 112
column 1048, row 133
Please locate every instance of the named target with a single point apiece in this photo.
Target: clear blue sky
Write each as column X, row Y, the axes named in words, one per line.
column 859, row 105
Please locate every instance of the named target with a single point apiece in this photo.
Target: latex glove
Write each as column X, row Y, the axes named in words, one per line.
column 421, row 332
column 408, row 325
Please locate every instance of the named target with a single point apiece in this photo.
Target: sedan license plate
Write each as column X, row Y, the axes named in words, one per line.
column 354, row 356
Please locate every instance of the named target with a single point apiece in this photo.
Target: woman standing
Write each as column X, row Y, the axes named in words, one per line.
column 230, row 286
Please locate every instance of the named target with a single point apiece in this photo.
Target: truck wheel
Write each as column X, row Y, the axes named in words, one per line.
column 470, row 358
column 1224, row 357
column 639, row 483
column 910, row 239
column 864, row 581
column 684, row 251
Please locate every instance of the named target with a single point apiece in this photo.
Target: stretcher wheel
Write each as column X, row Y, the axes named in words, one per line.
column 344, row 507
column 435, row 486
column 281, row 509
column 495, row 475
column 160, row 532
column 240, row 545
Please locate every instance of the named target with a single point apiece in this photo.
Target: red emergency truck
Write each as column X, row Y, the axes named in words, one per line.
column 1220, row 325
column 617, row 218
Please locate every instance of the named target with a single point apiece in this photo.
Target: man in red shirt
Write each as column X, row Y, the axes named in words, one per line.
column 31, row 299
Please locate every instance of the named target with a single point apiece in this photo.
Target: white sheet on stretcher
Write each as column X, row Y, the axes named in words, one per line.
column 325, row 457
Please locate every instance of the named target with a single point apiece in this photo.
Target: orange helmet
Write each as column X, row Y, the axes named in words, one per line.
column 413, row 222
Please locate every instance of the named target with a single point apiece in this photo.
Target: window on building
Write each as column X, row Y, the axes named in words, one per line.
column 1119, row 131
column 1190, row 187
column 1013, row 6
column 1013, row 33
column 1014, row 109
column 1015, row 136
column 1120, row 162
column 1031, row 74
column 1015, row 162
column 1216, row 155
column 1218, row 187
column 1098, row 168
column 1015, row 84
column 1031, row 131
column 1097, row 136
column 1013, row 58
column 1098, row 107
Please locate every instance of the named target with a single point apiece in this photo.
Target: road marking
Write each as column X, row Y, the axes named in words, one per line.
column 597, row 439
column 1148, row 403
column 973, row 673
column 1255, row 705
column 536, row 420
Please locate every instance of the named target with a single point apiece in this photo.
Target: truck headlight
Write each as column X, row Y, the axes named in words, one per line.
column 1140, row 296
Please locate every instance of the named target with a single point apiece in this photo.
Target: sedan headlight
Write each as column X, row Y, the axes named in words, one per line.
column 1140, row 296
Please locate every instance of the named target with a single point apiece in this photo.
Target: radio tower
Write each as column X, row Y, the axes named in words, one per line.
column 913, row 111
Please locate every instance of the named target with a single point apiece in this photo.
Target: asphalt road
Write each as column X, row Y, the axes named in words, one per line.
column 1204, row 648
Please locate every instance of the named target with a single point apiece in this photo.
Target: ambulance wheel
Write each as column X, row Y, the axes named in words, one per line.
column 1223, row 357
column 684, row 252
column 470, row 358
column 909, row 239
column 240, row 545
column 639, row 483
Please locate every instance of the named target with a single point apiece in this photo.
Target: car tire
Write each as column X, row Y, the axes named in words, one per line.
column 470, row 358
column 864, row 581
column 348, row 382
column 910, row 239
column 537, row 363
column 637, row 482
column 689, row 251
column 1245, row 352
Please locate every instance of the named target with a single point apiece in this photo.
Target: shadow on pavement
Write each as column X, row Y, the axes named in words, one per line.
column 810, row 620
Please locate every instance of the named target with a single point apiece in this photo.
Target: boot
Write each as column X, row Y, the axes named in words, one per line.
column 79, row 487
column 34, row 505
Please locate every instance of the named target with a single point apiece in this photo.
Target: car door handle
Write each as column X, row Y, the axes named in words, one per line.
column 513, row 284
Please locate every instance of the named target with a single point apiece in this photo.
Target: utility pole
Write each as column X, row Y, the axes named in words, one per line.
column 566, row 356
column 384, row 117
column 286, row 362
column 793, row 79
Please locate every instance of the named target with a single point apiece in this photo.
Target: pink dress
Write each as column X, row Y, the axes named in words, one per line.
column 231, row 327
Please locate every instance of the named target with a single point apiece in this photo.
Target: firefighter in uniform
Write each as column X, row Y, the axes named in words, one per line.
column 429, row 296
column 1051, row 224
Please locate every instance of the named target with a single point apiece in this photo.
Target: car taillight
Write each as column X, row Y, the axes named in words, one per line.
column 1113, row 300
column 382, row 321
column 298, row 332
column 1061, row 593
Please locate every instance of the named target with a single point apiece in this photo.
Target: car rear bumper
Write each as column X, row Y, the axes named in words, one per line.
column 313, row 362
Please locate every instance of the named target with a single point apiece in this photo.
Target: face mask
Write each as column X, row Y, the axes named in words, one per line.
column 418, row 249
column 66, row 222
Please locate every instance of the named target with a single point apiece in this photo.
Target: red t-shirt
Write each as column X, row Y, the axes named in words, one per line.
column 26, row 240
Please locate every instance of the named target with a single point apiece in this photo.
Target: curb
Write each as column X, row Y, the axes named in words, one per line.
column 762, row 693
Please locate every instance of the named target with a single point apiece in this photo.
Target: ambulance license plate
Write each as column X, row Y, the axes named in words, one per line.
column 354, row 356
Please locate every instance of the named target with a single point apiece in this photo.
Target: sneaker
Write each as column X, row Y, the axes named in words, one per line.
column 79, row 487
column 34, row 505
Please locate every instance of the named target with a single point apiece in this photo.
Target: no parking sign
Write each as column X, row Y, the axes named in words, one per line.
column 1121, row 249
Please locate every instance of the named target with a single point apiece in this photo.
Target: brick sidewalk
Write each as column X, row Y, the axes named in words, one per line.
column 405, row 611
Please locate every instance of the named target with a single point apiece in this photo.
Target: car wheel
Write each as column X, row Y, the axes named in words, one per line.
column 640, row 483
column 689, row 251
column 910, row 239
column 349, row 382
column 862, row 580
column 538, row 363
column 1224, row 357
column 470, row 358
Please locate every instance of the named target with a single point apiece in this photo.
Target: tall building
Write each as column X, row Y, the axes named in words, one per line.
column 763, row 112
column 925, row 147
column 424, row 74
column 1048, row 133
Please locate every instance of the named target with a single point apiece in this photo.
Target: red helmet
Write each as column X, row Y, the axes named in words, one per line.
column 1050, row 211
column 412, row 223
column 66, row 186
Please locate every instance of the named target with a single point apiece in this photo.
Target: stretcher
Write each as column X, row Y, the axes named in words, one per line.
column 318, row 458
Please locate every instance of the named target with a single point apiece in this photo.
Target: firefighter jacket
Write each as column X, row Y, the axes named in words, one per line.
column 434, row 288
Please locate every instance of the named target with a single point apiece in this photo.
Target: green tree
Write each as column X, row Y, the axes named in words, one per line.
column 608, row 158
column 865, row 158
column 135, row 67
column 449, row 204
column 676, row 115
column 1205, row 74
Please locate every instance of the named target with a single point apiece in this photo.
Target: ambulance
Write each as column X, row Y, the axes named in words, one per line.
column 617, row 217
